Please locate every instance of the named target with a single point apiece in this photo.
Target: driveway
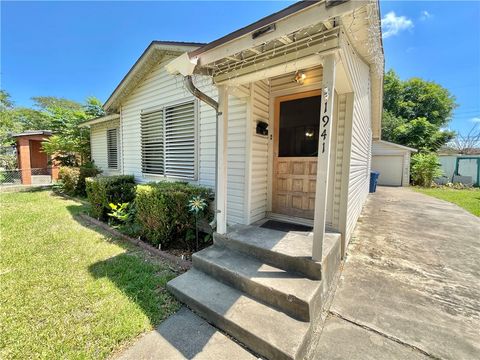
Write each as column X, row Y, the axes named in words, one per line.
column 410, row 287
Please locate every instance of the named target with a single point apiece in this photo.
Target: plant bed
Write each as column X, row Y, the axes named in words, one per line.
column 176, row 261
column 171, row 217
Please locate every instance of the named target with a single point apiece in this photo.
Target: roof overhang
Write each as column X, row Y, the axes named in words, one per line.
column 396, row 145
column 100, row 120
column 156, row 52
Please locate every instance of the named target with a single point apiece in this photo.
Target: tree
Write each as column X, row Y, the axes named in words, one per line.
column 415, row 111
column 421, row 135
column 70, row 143
column 468, row 144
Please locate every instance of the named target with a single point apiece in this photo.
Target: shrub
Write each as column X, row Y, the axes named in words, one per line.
column 86, row 171
column 425, row 168
column 103, row 190
column 162, row 212
column 69, row 177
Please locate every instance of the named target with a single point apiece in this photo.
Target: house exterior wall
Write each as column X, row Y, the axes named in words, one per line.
column 157, row 89
column 361, row 142
column 98, row 144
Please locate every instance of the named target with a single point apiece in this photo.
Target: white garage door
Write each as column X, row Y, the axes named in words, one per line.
column 390, row 168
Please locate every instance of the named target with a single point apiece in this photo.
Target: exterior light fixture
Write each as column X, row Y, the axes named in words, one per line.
column 309, row 134
column 300, row 77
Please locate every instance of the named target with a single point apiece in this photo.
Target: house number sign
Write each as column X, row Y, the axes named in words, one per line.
column 325, row 120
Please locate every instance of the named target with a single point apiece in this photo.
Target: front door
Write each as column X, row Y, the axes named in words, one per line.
column 297, row 120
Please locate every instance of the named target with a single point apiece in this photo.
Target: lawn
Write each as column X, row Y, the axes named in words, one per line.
column 68, row 291
column 469, row 199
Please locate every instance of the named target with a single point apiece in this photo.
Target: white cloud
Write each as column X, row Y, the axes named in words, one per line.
column 475, row 119
column 425, row 15
column 393, row 24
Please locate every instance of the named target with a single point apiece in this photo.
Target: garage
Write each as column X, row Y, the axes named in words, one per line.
column 392, row 161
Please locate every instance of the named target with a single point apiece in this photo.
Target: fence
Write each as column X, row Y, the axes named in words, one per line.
column 34, row 176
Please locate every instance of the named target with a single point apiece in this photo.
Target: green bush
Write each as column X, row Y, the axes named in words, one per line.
column 73, row 178
column 69, row 177
column 103, row 190
column 86, row 171
column 163, row 214
column 425, row 168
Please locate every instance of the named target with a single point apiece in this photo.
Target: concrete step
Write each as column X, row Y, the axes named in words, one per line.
column 266, row 331
column 287, row 291
column 290, row 251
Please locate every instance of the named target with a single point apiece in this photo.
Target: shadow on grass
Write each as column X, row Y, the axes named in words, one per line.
column 141, row 281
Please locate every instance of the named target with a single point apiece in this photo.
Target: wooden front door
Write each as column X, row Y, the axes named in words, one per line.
column 297, row 120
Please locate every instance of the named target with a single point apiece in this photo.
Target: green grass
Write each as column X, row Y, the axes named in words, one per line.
column 469, row 199
column 68, row 291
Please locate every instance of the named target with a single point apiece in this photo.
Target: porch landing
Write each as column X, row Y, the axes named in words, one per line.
column 261, row 287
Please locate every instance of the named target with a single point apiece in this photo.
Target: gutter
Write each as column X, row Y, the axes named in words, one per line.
column 188, row 81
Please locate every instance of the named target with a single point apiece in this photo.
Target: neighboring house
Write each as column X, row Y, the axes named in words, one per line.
column 392, row 161
column 460, row 168
column 281, row 125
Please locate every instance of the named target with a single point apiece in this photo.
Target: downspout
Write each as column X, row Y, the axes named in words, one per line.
column 188, row 81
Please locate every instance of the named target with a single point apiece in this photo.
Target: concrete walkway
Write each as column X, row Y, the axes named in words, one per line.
column 410, row 288
column 185, row 336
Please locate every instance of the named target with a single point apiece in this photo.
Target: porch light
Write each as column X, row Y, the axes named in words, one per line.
column 309, row 134
column 300, row 77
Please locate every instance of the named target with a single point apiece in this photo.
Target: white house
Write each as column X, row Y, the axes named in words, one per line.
column 279, row 118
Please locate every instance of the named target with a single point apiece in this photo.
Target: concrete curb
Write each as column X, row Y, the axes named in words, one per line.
column 173, row 260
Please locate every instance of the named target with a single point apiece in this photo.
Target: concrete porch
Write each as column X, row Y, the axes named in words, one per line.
column 262, row 287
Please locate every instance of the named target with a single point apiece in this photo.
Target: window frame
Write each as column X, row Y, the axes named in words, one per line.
column 162, row 108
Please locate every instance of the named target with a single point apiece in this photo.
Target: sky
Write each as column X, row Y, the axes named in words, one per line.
column 79, row 49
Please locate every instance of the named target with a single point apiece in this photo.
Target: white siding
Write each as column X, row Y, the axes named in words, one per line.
column 285, row 84
column 98, row 143
column 381, row 148
column 159, row 88
column 259, row 152
column 361, row 140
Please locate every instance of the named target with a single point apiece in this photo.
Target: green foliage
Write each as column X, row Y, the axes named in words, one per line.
column 8, row 161
column 416, row 108
column 104, row 190
column 163, row 212
column 425, row 168
column 421, row 135
column 73, row 178
column 70, row 145
column 69, row 177
column 120, row 212
column 86, row 171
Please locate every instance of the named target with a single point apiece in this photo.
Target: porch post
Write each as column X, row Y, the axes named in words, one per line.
column 221, row 185
column 323, row 164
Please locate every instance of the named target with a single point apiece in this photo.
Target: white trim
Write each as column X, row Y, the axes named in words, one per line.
column 100, row 120
column 396, row 145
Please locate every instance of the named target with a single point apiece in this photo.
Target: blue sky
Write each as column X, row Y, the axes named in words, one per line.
column 78, row 49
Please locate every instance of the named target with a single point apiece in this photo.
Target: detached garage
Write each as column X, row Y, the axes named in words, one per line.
column 392, row 161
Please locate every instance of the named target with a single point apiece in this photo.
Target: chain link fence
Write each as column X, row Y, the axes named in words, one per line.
column 38, row 176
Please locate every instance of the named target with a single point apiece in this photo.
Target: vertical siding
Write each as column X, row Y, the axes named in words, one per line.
column 98, row 143
column 361, row 139
column 159, row 88
column 259, row 152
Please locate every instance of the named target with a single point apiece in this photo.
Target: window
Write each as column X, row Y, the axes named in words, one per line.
column 299, row 126
column 168, row 141
column 112, row 148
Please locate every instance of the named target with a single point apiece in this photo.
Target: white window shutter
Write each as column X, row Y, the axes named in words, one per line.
column 180, row 157
column 152, row 132
column 112, row 148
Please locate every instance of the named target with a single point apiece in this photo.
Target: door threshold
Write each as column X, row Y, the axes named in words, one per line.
column 290, row 219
